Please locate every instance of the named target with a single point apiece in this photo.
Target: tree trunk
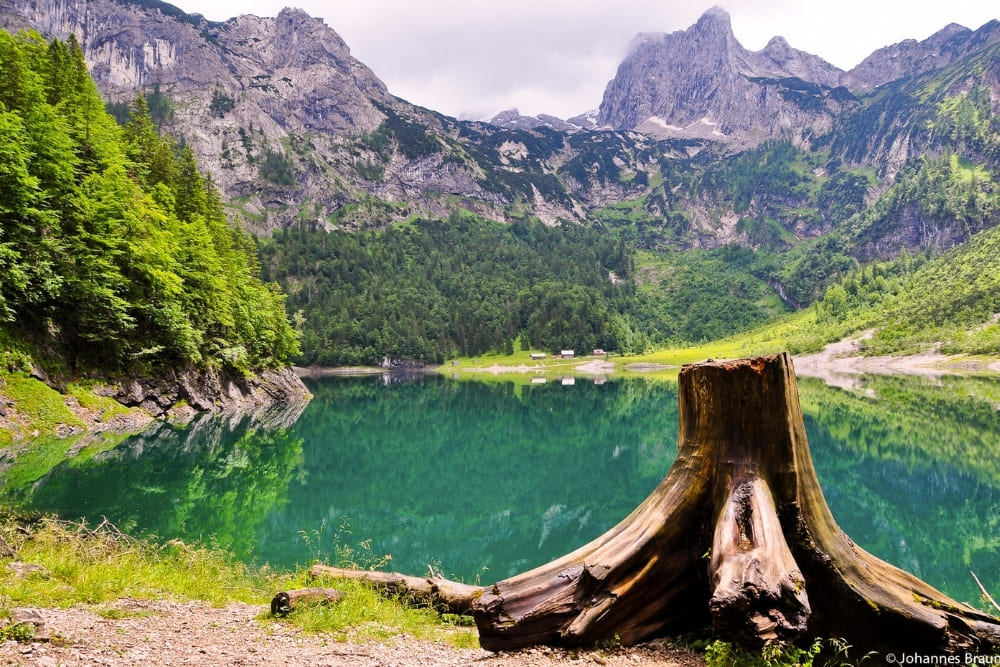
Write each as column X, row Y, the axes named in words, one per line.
column 737, row 537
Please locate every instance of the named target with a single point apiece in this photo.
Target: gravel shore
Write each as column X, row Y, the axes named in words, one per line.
column 139, row 632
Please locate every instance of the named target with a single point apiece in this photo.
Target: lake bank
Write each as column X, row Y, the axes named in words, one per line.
column 838, row 364
column 130, row 404
column 36, row 405
column 175, row 603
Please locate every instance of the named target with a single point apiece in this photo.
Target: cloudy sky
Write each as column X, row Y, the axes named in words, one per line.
column 473, row 58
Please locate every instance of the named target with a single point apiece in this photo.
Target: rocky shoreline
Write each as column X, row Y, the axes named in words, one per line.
column 177, row 396
column 208, row 390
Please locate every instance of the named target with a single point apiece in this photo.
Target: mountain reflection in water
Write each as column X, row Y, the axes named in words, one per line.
column 484, row 480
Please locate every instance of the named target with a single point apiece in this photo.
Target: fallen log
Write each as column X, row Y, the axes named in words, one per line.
column 437, row 592
column 284, row 602
column 737, row 537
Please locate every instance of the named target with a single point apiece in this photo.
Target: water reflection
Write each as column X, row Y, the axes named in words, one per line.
column 482, row 481
column 475, row 477
column 909, row 467
column 216, row 478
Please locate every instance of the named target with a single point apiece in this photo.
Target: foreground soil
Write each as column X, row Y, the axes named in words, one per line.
column 141, row 632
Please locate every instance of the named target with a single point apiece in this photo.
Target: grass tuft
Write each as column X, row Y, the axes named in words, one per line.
column 53, row 563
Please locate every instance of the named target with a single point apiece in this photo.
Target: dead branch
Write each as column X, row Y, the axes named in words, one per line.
column 440, row 593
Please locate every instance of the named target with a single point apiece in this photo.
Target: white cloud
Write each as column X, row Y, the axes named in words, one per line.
column 473, row 59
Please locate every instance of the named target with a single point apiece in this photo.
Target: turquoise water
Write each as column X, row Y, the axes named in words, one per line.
column 481, row 481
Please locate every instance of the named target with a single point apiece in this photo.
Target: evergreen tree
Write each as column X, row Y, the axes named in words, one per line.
column 115, row 251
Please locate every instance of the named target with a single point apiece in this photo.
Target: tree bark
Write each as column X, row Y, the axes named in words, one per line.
column 435, row 591
column 737, row 537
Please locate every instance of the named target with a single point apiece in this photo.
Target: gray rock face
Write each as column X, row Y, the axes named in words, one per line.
column 289, row 80
column 294, row 58
column 300, row 72
column 911, row 57
column 701, row 82
column 211, row 391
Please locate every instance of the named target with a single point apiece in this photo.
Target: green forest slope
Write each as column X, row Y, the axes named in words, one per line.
column 115, row 255
column 950, row 302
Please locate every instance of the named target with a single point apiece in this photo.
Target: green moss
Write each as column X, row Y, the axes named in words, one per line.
column 105, row 406
column 40, row 406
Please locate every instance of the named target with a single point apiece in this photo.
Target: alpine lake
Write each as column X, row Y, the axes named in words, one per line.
column 482, row 480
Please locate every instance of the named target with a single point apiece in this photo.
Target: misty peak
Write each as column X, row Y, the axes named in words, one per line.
column 777, row 44
column 715, row 19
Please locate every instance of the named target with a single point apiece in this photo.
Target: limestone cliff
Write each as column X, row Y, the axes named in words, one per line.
column 911, row 57
column 276, row 109
column 701, row 82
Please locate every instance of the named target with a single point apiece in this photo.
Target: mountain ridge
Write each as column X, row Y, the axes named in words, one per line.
column 778, row 60
column 292, row 128
column 701, row 82
column 778, row 183
column 910, row 56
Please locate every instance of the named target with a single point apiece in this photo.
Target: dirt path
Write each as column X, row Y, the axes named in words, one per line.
column 840, row 363
column 169, row 633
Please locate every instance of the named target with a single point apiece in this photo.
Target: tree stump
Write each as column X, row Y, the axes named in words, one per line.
column 737, row 537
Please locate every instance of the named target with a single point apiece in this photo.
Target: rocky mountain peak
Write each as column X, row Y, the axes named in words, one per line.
column 701, row 82
column 778, row 59
column 779, row 52
column 293, row 16
column 714, row 21
column 304, row 40
column 911, row 57
column 512, row 119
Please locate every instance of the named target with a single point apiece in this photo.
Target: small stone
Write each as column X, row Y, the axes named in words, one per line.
column 22, row 570
column 28, row 615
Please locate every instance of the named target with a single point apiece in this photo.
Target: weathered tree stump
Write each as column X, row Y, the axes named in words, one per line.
column 737, row 537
